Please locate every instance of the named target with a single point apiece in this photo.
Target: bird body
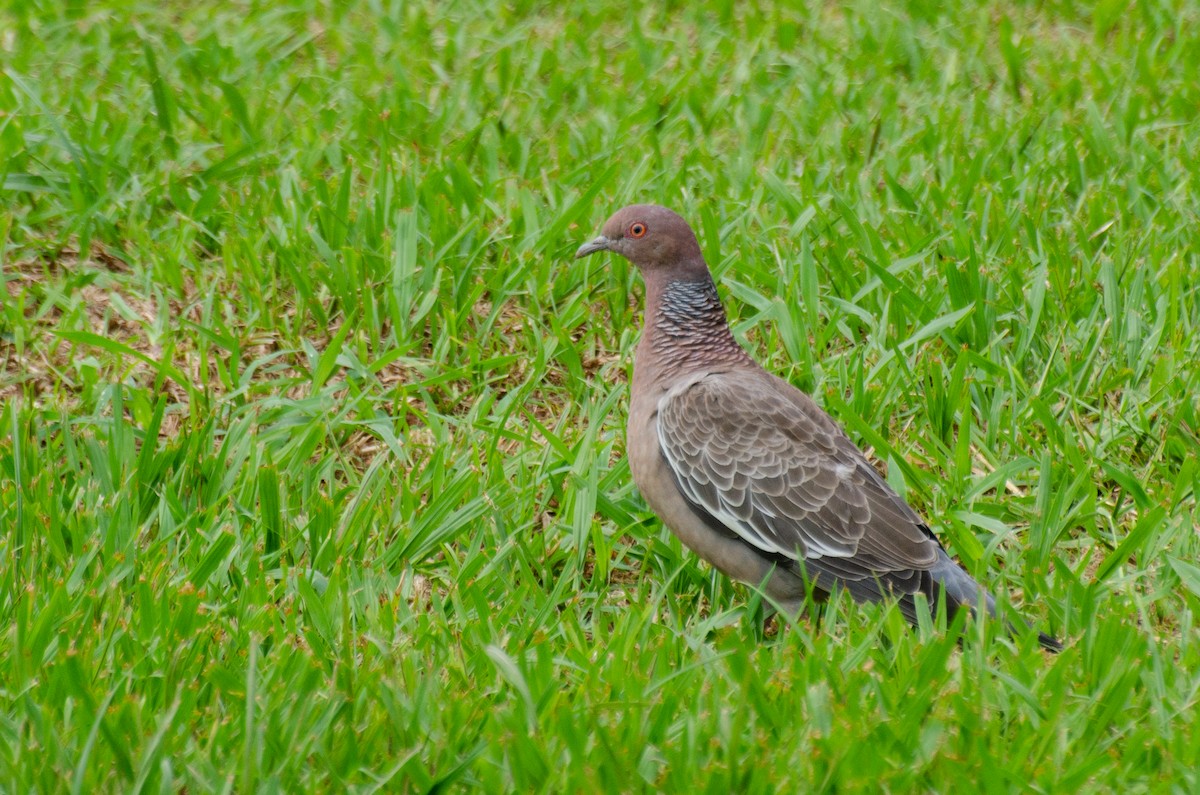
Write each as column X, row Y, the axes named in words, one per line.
column 746, row 469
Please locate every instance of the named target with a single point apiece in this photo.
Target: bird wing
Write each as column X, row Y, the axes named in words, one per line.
column 780, row 474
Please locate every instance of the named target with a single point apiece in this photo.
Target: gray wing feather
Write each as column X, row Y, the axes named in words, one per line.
column 782, row 476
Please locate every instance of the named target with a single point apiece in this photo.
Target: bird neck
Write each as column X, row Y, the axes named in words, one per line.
column 686, row 326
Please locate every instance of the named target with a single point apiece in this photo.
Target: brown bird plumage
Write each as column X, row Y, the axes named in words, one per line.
column 746, row 469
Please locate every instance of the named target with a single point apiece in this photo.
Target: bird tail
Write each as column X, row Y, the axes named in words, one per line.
column 1050, row 643
column 961, row 589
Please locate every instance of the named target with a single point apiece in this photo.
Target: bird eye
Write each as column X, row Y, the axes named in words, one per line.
column 637, row 229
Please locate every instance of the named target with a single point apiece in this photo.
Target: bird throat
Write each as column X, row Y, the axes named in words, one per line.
column 689, row 327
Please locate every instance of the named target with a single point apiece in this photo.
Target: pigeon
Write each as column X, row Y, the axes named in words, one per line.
column 746, row 469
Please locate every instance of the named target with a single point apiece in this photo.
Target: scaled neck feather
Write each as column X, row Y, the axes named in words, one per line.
column 686, row 328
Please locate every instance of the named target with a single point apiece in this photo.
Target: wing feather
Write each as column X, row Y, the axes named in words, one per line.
column 786, row 480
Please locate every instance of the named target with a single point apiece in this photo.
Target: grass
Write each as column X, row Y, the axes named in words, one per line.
column 312, row 431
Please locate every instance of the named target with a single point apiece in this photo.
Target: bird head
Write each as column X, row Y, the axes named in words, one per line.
column 649, row 236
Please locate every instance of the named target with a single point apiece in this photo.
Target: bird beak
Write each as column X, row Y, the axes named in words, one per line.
column 599, row 244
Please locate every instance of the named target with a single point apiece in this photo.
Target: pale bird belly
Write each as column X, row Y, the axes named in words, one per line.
column 726, row 552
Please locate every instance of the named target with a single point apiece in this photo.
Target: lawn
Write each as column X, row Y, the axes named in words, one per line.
column 312, row 470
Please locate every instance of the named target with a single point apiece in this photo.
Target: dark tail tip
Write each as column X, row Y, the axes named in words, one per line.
column 1050, row 644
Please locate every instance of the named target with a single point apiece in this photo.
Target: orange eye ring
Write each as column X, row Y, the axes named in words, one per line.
column 637, row 229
